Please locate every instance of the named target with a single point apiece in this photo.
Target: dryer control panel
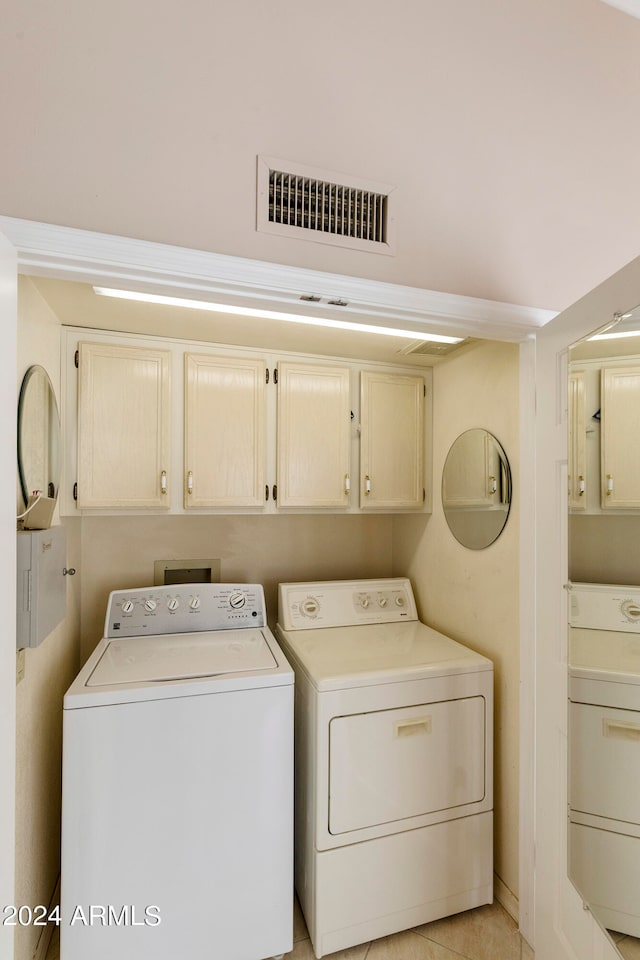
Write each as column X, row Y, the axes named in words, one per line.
column 603, row 606
column 342, row 603
column 185, row 608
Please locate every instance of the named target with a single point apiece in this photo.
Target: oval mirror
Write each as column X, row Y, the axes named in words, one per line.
column 38, row 435
column 476, row 489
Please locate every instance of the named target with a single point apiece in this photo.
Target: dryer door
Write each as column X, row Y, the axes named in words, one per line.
column 390, row 765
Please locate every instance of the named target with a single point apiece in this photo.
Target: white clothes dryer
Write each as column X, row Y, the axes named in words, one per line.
column 177, row 817
column 393, row 762
column 604, row 751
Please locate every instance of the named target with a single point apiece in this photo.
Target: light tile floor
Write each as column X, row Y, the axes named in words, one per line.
column 629, row 947
column 486, row 933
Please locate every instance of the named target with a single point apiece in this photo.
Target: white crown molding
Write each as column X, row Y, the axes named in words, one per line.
column 81, row 255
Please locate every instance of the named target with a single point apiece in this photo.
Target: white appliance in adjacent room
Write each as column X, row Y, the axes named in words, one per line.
column 177, row 819
column 394, row 762
column 604, row 751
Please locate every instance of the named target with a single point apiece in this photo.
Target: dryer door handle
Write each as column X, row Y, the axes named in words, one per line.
column 620, row 729
column 410, row 728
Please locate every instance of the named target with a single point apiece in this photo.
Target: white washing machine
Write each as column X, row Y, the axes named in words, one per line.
column 177, row 816
column 604, row 751
column 394, row 762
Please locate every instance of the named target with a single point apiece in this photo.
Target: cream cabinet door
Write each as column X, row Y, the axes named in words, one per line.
column 224, row 431
column 577, row 441
column 620, row 429
column 124, row 397
column 473, row 469
column 314, row 435
column 392, row 441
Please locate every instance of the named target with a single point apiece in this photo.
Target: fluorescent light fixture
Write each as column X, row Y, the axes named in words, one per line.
column 273, row 315
column 616, row 336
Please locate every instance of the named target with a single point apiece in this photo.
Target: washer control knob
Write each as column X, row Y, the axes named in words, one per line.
column 150, row 604
column 382, row 601
column 400, row 601
column 173, row 603
column 237, row 600
column 364, row 602
column 194, row 603
column 631, row 610
column 127, row 606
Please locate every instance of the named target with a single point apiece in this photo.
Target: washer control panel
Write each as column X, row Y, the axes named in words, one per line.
column 603, row 606
column 185, row 608
column 341, row 603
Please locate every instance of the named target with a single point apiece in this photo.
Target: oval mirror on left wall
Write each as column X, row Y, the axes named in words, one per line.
column 476, row 489
column 38, row 435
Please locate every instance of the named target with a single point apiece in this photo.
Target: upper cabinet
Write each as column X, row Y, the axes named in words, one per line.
column 620, row 425
column 313, row 435
column 577, row 467
column 224, row 431
column 124, row 426
column 604, row 419
column 392, row 433
column 237, row 430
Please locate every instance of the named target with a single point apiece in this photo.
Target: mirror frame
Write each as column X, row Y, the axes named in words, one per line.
column 53, row 440
column 477, row 503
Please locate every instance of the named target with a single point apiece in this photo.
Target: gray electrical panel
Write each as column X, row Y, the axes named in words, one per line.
column 41, row 601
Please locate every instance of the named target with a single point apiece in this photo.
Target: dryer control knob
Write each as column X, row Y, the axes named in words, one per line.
column 237, row 600
column 127, row 606
column 631, row 610
column 400, row 601
column 364, row 602
column 173, row 603
column 310, row 607
column 382, row 601
column 194, row 603
column 150, row 604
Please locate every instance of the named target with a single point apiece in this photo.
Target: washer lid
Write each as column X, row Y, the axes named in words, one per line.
column 181, row 657
column 341, row 657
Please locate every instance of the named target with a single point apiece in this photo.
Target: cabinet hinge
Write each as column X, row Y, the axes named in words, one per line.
column 75, row 491
column 275, row 374
column 266, row 375
column 275, row 491
column 76, row 358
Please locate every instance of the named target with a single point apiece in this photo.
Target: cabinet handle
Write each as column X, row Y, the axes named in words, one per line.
column 190, row 482
column 367, row 486
column 163, row 482
column 581, row 486
column 493, row 485
column 609, row 484
column 347, row 483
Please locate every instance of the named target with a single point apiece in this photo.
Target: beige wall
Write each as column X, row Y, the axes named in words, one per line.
column 474, row 595
column 493, row 120
column 49, row 670
column 604, row 549
column 118, row 552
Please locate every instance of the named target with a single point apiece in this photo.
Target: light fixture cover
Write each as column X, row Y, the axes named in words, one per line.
column 273, row 315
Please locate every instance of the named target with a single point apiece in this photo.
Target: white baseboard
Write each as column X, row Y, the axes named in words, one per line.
column 505, row 897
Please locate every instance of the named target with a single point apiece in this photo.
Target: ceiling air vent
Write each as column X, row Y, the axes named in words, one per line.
column 428, row 348
column 310, row 204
